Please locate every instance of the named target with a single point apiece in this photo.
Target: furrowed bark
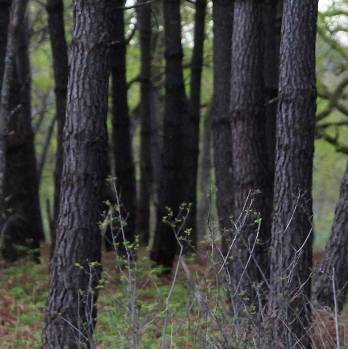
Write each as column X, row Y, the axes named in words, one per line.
column 75, row 271
column 291, row 259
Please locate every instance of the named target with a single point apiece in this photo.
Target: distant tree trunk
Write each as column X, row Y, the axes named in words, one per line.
column 334, row 267
column 121, row 135
column 291, row 259
column 221, row 126
column 171, row 176
column 20, row 208
column 205, row 176
column 192, row 123
column 21, row 177
column 75, row 271
column 272, row 16
column 55, row 10
column 249, row 152
column 145, row 33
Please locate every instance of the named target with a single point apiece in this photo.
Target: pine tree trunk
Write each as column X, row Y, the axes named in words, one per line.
column 291, row 259
column 75, row 270
column 192, row 123
column 55, row 9
column 121, row 135
column 171, row 176
column 145, row 32
column 334, row 267
column 221, row 126
column 24, row 228
column 251, row 208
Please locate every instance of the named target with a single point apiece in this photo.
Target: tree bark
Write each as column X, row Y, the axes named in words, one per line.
column 221, row 125
column 192, row 123
column 291, row 258
column 22, row 229
column 334, row 267
column 121, row 135
column 175, row 111
column 75, row 270
column 55, row 10
column 145, row 33
column 251, row 207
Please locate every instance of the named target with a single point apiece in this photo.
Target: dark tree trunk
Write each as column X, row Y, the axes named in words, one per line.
column 272, row 16
column 334, row 267
column 145, row 33
column 23, row 230
column 75, row 266
column 223, row 23
column 192, row 123
column 291, row 259
column 55, row 9
column 171, row 176
column 121, row 135
column 251, row 209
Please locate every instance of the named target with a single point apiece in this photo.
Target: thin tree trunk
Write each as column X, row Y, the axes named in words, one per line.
column 191, row 128
column 145, row 32
column 334, row 267
column 55, row 10
column 221, row 126
column 171, row 176
column 204, row 178
column 121, row 135
column 75, row 268
column 291, row 259
column 251, row 210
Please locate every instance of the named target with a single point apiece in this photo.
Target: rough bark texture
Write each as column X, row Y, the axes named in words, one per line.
column 71, row 308
column 24, row 227
column 334, row 267
column 55, row 9
column 251, row 208
column 192, row 122
column 171, row 176
column 145, row 33
column 291, row 259
column 121, row 135
column 221, row 126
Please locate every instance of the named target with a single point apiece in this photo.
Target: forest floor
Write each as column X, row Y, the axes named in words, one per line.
column 23, row 297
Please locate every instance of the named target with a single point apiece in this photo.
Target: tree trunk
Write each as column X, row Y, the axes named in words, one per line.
column 334, row 267
column 121, row 136
column 75, row 270
column 171, row 176
column 55, row 10
column 291, row 259
column 22, row 230
column 192, row 122
column 251, row 208
column 272, row 17
column 222, row 143
column 145, row 33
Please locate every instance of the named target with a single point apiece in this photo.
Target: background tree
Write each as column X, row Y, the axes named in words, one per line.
column 145, row 34
column 175, row 112
column 291, row 259
column 121, row 137
column 55, row 10
column 221, row 126
column 332, row 282
column 249, row 152
column 75, row 268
